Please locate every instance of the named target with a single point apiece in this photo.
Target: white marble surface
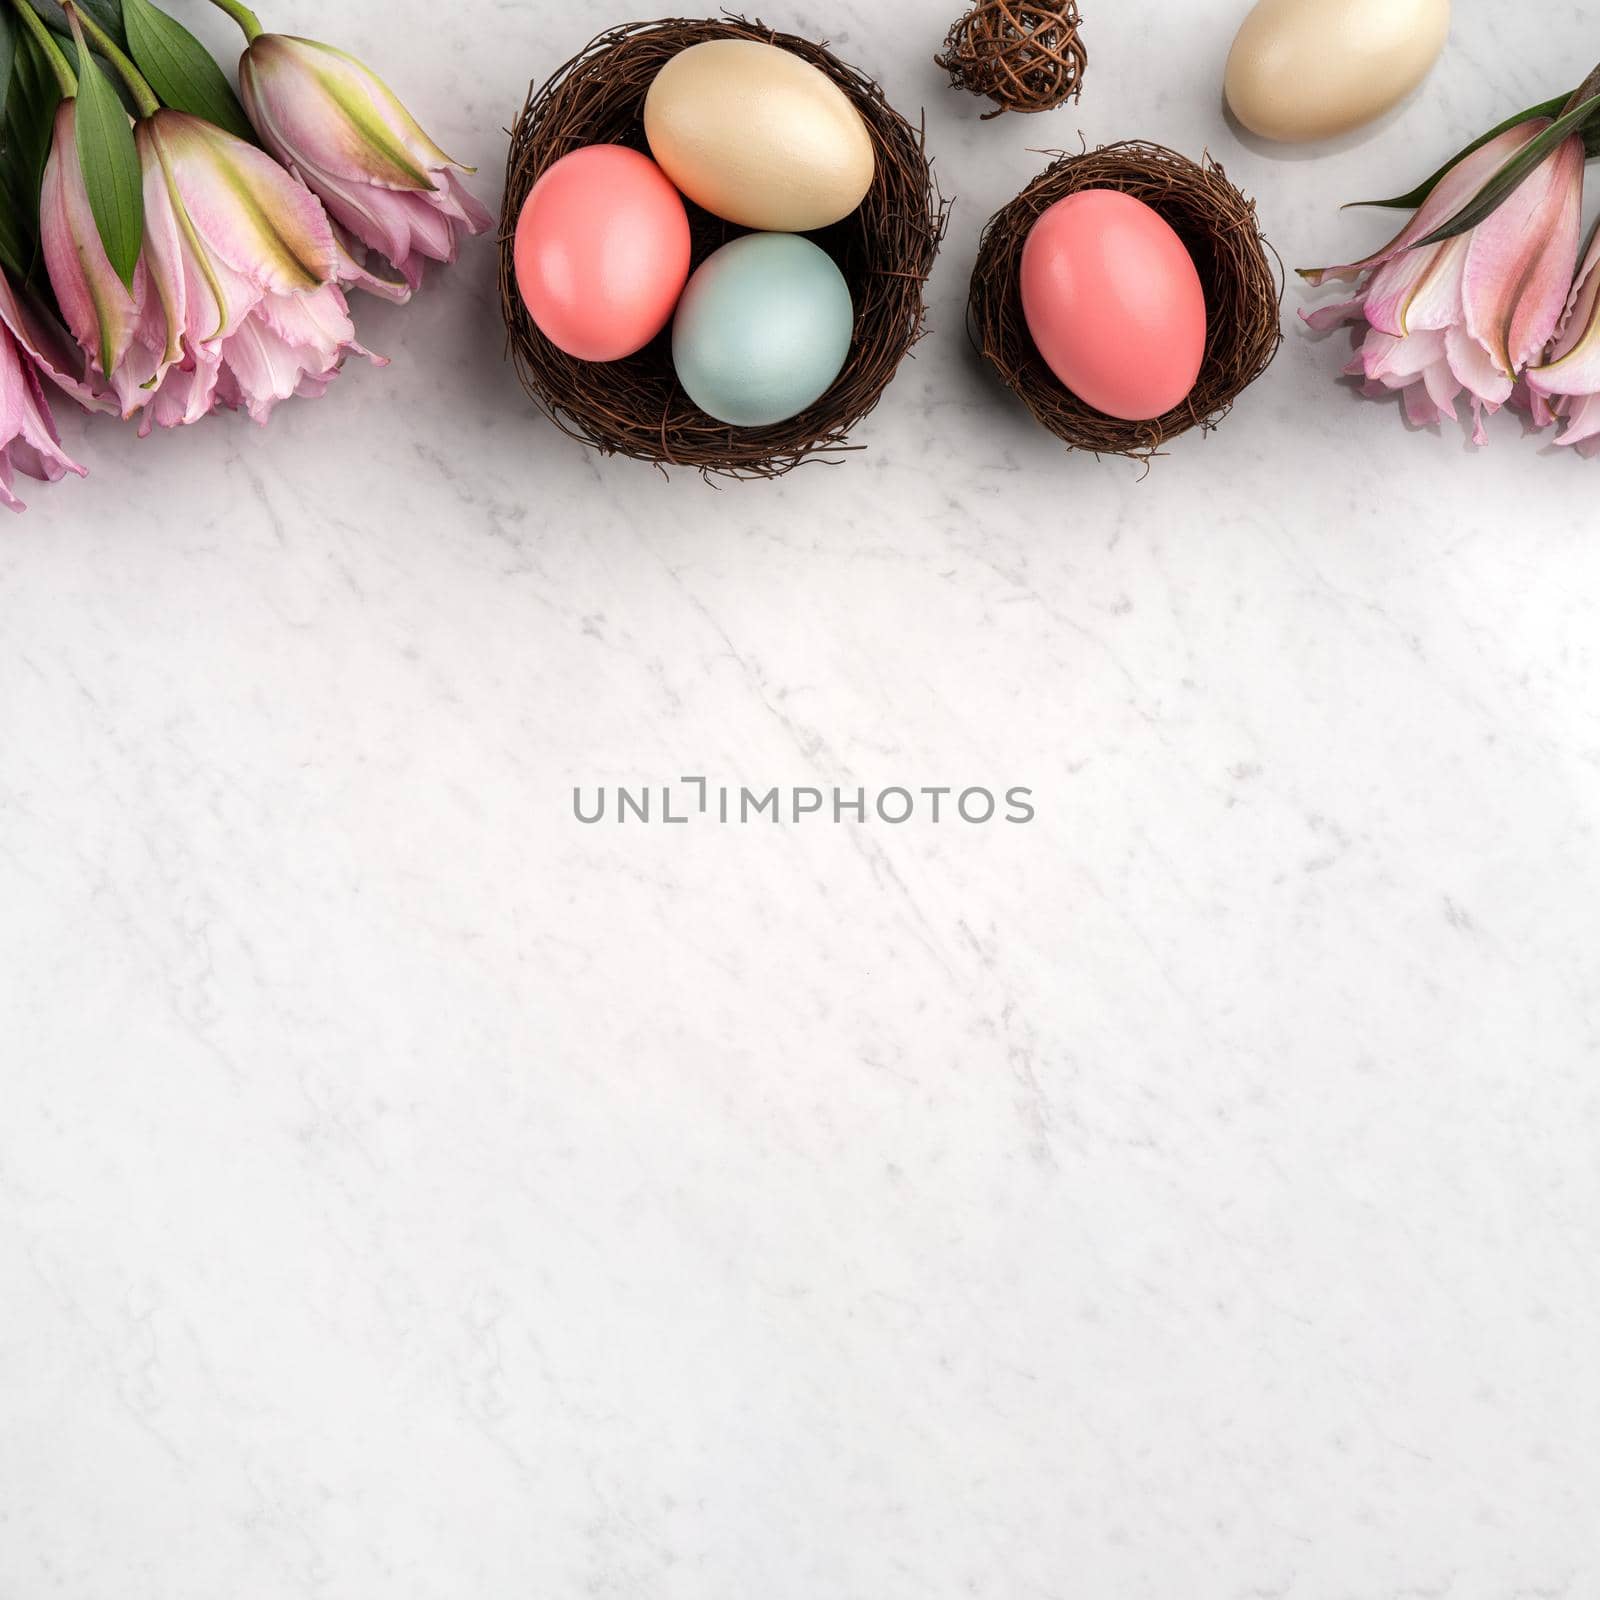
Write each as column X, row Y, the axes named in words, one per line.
column 407, row 1192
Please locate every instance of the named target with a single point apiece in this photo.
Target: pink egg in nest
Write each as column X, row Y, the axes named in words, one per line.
column 1114, row 303
column 602, row 252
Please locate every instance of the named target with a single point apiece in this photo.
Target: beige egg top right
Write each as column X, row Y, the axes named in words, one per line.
column 1302, row 70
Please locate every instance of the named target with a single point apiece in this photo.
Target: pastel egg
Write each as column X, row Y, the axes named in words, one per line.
column 1310, row 69
column 602, row 252
column 758, row 136
column 763, row 329
column 1114, row 304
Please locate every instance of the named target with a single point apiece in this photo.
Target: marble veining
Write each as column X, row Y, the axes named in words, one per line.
column 409, row 1191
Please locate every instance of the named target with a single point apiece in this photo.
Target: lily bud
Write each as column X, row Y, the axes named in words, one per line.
column 342, row 131
column 123, row 330
column 245, row 262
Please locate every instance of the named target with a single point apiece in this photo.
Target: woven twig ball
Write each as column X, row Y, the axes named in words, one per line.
column 1022, row 55
column 885, row 249
column 1239, row 270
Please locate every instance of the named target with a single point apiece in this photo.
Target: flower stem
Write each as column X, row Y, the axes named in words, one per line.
column 143, row 95
column 243, row 15
column 46, row 41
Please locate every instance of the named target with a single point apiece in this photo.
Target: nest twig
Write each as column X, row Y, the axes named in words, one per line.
column 1239, row 270
column 885, row 249
column 1022, row 55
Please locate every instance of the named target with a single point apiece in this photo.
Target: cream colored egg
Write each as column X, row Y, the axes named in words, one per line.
column 758, row 136
column 1310, row 69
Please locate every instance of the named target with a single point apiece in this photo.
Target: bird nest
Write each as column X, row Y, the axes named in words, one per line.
column 1239, row 270
column 1022, row 55
column 885, row 249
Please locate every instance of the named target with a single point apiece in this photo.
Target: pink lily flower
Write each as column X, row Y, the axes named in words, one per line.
column 1466, row 316
column 31, row 353
column 123, row 331
column 1567, row 387
column 246, row 266
column 341, row 130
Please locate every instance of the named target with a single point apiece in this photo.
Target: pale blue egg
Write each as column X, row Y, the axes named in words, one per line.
column 762, row 329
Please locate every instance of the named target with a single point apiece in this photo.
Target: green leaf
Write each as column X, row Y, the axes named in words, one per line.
column 110, row 162
column 181, row 70
column 28, row 128
column 1413, row 201
column 68, row 46
column 108, row 13
column 16, row 252
column 8, row 52
column 1514, row 173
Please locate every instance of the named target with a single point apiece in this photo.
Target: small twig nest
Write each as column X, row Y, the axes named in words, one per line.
column 1239, row 270
column 1021, row 55
column 885, row 249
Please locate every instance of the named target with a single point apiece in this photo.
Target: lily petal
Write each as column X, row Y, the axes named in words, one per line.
column 29, row 442
column 185, row 396
column 1582, row 417
column 1403, row 358
column 355, row 273
column 291, row 345
column 1574, row 367
column 1418, row 289
column 1521, row 259
column 1475, row 369
column 247, row 212
column 49, row 350
column 1421, row 409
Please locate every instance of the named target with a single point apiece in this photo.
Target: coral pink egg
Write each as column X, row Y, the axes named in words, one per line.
column 1114, row 303
column 602, row 252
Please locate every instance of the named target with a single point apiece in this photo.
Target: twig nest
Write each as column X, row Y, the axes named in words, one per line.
column 1239, row 272
column 1022, row 55
column 885, row 249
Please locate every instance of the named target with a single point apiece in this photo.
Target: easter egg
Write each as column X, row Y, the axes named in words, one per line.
column 762, row 330
column 602, row 252
column 1114, row 304
column 1309, row 69
column 758, row 136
